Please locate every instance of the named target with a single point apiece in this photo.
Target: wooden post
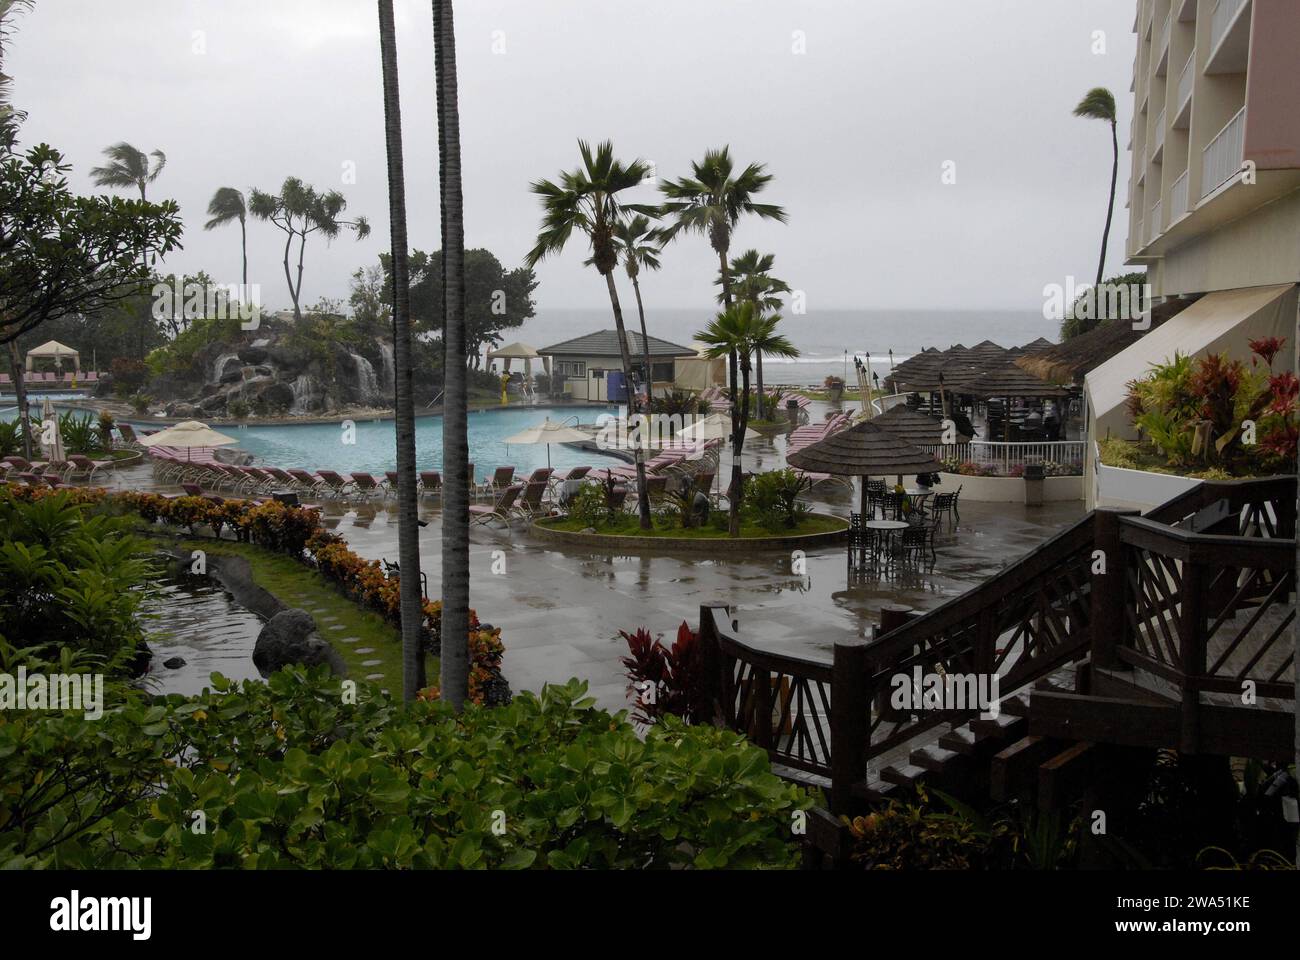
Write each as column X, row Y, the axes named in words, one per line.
column 760, row 689
column 1109, row 589
column 714, row 663
column 1191, row 630
column 850, row 722
column 892, row 616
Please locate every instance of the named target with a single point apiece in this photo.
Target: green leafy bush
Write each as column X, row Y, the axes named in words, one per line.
column 287, row 774
column 238, row 410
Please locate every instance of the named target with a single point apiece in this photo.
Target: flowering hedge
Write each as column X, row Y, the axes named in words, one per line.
column 298, row 532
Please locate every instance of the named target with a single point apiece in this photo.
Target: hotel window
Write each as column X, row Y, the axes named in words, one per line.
column 663, row 371
column 571, row 368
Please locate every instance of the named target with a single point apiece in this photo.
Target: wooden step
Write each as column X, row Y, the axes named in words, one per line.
column 903, row 774
column 933, row 758
column 801, row 777
column 1005, row 726
column 1015, row 770
column 876, row 791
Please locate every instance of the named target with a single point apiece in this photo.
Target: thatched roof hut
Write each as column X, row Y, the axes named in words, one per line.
column 1008, row 380
column 914, row 427
column 1071, row 361
column 863, row 450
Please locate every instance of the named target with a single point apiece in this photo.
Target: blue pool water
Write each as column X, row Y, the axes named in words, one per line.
column 321, row 446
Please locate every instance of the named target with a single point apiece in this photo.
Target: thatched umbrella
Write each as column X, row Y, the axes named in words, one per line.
column 863, row 450
column 1008, row 381
column 1034, row 346
column 914, row 427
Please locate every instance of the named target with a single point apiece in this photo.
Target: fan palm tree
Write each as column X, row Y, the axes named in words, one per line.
column 752, row 281
column 711, row 202
column 226, row 206
column 408, row 511
column 587, row 200
column 1099, row 104
column 455, row 441
column 299, row 211
column 737, row 331
column 9, row 117
column 639, row 246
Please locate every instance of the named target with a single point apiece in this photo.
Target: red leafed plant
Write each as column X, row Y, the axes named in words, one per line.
column 1267, row 348
column 667, row 679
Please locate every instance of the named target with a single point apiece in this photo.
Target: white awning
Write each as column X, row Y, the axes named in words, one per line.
column 1222, row 322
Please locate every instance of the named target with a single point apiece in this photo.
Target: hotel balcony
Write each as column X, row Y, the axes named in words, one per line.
column 1178, row 197
column 1183, row 98
column 1162, row 46
column 1158, row 139
column 1223, row 157
column 1155, row 223
column 1229, row 37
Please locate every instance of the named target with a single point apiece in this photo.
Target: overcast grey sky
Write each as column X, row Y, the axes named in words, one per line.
column 855, row 130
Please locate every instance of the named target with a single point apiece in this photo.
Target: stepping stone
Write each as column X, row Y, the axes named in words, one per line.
column 374, row 676
column 365, row 650
column 329, row 619
column 337, row 626
column 319, row 610
column 350, row 640
column 372, row 663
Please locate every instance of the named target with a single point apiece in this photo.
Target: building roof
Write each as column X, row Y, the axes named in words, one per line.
column 914, row 427
column 604, row 343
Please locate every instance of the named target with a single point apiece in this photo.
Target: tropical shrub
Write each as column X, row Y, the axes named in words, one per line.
column 238, row 409
column 106, row 423
column 667, row 680
column 293, row 774
column 80, row 433
column 129, row 375
column 69, row 579
column 11, row 438
column 773, row 498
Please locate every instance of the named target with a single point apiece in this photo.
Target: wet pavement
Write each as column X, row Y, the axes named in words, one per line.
column 560, row 609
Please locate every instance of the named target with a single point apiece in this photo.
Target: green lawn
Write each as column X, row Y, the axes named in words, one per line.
column 629, row 526
column 297, row 585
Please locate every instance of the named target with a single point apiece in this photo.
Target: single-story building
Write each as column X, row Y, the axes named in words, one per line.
column 583, row 362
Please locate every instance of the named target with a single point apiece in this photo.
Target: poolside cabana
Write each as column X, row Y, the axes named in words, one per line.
column 1009, row 382
column 914, row 427
column 519, row 351
column 58, row 352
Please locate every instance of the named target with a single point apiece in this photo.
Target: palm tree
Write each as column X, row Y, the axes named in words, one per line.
column 226, row 206
column 767, row 340
column 9, row 116
column 408, row 511
column 712, row 202
column 1099, row 104
column 129, row 167
column 752, row 281
column 455, row 441
column 299, row 211
column 586, row 200
column 736, row 332
column 640, row 247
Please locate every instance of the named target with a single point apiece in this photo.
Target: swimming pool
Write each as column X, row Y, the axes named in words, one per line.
column 321, row 445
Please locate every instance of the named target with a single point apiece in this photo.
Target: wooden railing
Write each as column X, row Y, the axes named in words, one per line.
column 1164, row 598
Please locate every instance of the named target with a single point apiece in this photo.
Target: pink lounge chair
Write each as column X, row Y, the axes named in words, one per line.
column 366, row 485
column 307, row 481
column 281, row 477
column 88, row 467
column 541, row 475
column 501, row 477
column 336, row 484
column 577, row 473
column 530, row 502
column 498, row 511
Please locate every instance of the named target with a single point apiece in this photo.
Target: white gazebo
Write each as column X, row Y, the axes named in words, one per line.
column 58, row 352
column 519, row 351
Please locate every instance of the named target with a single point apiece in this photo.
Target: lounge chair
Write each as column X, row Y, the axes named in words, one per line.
column 281, row 477
column 541, row 475
column 501, row 477
column 530, row 503
column 500, row 510
column 129, row 439
column 366, row 485
column 335, row 484
column 577, row 473
column 307, row 481
column 430, row 482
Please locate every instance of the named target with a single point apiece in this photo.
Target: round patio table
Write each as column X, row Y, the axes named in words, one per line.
column 884, row 530
column 917, row 496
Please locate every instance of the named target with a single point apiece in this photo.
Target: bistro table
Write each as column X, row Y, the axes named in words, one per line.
column 883, row 536
column 917, row 497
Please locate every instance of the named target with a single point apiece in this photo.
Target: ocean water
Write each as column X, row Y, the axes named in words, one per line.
column 827, row 339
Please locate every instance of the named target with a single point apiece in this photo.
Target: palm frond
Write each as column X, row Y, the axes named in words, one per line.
column 1097, row 104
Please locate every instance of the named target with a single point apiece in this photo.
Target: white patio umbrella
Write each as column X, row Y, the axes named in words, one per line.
column 715, row 426
column 549, row 432
column 190, row 434
column 54, row 451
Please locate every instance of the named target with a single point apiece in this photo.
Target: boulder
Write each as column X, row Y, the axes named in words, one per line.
column 253, row 355
column 290, row 637
column 214, row 403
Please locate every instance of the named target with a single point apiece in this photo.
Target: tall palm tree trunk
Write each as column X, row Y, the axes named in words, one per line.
column 243, row 246
column 645, row 345
column 737, row 475
column 642, row 494
column 762, row 400
column 408, row 527
column 455, row 441
column 1110, row 210
column 736, row 486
